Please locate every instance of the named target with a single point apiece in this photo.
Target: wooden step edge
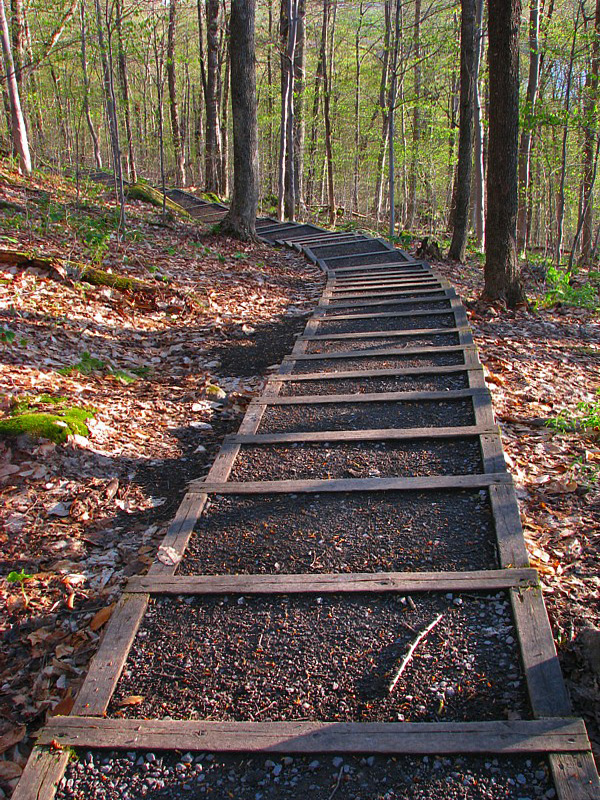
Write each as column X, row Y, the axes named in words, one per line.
column 479, row 481
column 357, row 297
column 336, row 337
column 484, row 580
column 440, row 296
column 414, row 264
column 388, row 351
column 372, row 435
column 434, row 312
column 551, row 735
column 369, row 397
column 372, row 373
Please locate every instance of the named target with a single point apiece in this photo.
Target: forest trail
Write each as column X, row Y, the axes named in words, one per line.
column 353, row 560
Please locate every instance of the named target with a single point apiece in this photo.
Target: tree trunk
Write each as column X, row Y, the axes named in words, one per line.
column 465, row 137
column 86, row 91
column 178, row 144
column 288, row 32
column 357, row 88
column 327, row 113
column 124, row 85
column 589, row 144
column 299, row 121
column 391, row 115
column 213, row 132
column 383, row 105
column 502, row 276
column 528, row 121
column 416, row 138
column 241, row 218
column 479, row 168
column 18, row 129
column 111, row 113
column 560, row 199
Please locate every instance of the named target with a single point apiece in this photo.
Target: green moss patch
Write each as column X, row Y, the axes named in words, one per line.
column 29, row 417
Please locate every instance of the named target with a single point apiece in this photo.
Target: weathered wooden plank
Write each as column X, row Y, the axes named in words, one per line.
column 42, row 774
column 391, row 272
column 393, row 284
column 507, row 736
column 484, row 413
column 181, row 528
column 372, row 373
column 333, row 300
column 95, row 693
column 372, row 435
column 509, row 533
column 392, row 314
column 369, row 397
column 353, row 484
column 547, row 692
column 575, row 776
column 485, row 580
column 439, row 297
column 341, row 270
column 469, row 352
column 492, row 452
column 382, row 334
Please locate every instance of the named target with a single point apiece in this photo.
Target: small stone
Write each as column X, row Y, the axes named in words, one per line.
column 521, row 778
column 277, row 769
column 314, row 764
column 337, row 762
column 370, row 761
column 150, row 757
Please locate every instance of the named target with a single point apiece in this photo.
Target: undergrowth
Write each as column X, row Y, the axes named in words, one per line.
column 46, row 417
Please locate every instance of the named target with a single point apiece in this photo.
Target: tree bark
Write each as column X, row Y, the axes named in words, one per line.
column 241, row 218
column 288, row 30
column 391, row 115
column 589, row 145
column 383, row 105
column 213, row 132
column 299, row 121
column 178, row 144
column 124, row 85
column 111, row 113
column 465, row 137
column 530, row 103
column 327, row 113
column 479, row 167
column 18, row 128
column 411, row 213
column 86, row 91
column 502, row 276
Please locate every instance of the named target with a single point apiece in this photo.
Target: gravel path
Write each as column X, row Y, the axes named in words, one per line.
column 359, row 460
column 378, row 343
column 173, row 776
column 333, row 301
column 417, row 305
column 385, row 324
column 386, row 383
column 421, row 361
column 325, row 658
column 346, row 532
column 363, row 416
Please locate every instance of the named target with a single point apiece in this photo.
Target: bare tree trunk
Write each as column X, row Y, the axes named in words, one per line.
column 213, row 132
column 590, row 143
column 383, row 105
column 159, row 77
column 288, row 29
column 391, row 116
column 312, row 148
column 357, row 89
column 327, row 113
column 416, row 138
column 560, row 199
column 241, row 218
column 86, row 91
column 270, row 105
column 224, row 128
column 479, row 168
column 111, row 112
column 178, row 144
column 464, row 170
column 124, row 85
column 502, row 276
column 299, row 121
column 530, row 103
column 18, row 128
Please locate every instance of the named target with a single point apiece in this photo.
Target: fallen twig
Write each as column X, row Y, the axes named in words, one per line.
column 411, row 650
column 337, row 785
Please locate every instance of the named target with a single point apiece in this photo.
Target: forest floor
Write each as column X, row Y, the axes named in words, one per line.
column 167, row 372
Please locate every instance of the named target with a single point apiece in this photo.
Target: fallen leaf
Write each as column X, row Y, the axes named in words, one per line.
column 112, row 488
column 60, row 510
column 132, row 700
column 11, row 736
column 561, row 487
column 63, row 707
column 101, row 617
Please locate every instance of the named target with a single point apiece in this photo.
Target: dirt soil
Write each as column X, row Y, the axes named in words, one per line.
column 336, row 533
column 339, row 346
column 168, row 776
column 391, row 383
column 330, row 658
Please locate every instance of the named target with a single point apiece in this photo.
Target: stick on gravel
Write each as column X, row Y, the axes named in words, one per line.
column 411, row 650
